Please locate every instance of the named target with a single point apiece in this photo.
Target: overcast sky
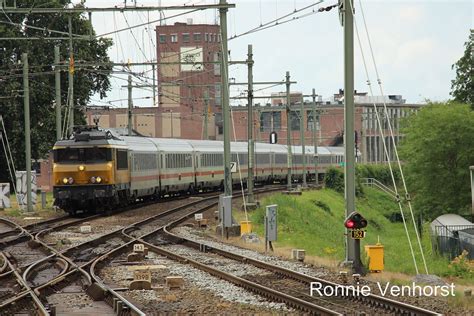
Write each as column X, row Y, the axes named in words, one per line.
column 414, row 44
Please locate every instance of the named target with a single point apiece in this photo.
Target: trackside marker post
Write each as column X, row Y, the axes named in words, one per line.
column 270, row 225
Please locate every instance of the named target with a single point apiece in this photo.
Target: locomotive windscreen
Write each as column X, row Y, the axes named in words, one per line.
column 94, row 154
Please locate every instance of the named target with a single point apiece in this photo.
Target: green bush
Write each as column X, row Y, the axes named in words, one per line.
column 334, row 179
column 379, row 172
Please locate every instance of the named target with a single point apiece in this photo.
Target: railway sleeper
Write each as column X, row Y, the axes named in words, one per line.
column 96, row 292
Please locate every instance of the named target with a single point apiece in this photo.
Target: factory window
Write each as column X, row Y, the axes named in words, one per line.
column 197, row 37
column 122, row 160
column 218, row 38
column 217, row 66
column 276, row 121
column 185, row 37
column 174, row 38
column 294, row 121
column 206, row 37
column 311, row 122
column 270, row 121
column 217, row 94
column 265, row 121
column 162, row 39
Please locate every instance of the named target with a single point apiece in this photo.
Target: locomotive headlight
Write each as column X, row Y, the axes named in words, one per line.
column 93, row 179
column 82, row 168
column 98, row 179
column 70, row 180
column 65, row 180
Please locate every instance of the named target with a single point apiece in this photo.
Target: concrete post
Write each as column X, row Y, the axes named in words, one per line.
column 250, row 175
column 26, row 104
column 130, row 105
column 349, row 139
column 71, row 78
column 225, row 99
column 206, row 114
column 288, row 130
column 315, row 139
column 302, row 129
column 57, row 81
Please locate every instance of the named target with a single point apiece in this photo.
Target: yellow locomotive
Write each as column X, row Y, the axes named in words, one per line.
column 90, row 171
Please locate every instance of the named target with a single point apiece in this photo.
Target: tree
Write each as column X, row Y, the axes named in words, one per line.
column 463, row 86
column 42, row 92
column 437, row 151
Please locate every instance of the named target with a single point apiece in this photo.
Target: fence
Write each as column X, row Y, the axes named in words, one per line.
column 451, row 240
column 372, row 182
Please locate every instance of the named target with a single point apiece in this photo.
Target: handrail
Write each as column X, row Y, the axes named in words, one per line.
column 379, row 185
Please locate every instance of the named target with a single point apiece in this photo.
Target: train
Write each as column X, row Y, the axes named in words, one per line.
column 98, row 170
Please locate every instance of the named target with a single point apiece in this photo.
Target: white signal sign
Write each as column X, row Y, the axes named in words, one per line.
column 233, row 167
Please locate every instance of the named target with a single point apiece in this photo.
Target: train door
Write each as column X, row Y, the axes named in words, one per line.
column 195, row 167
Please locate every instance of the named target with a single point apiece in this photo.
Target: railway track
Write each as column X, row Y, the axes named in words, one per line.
column 78, row 268
column 146, row 230
column 59, row 270
column 375, row 303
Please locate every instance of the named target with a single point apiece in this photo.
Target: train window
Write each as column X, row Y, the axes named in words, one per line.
column 122, row 159
column 94, row 154
column 67, row 154
column 98, row 154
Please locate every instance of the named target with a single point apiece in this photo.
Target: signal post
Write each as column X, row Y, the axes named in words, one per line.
column 355, row 224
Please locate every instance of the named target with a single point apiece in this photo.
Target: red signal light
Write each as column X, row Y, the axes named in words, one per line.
column 355, row 221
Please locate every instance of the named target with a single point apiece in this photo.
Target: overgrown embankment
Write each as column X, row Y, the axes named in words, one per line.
column 314, row 222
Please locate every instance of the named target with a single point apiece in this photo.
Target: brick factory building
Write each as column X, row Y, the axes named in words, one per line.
column 329, row 124
column 189, row 55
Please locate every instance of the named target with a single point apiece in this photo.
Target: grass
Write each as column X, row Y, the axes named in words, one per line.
column 314, row 220
column 15, row 211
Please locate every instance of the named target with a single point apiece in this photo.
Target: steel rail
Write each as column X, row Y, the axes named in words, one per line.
column 41, row 309
column 372, row 299
column 254, row 287
column 62, row 254
column 65, row 253
column 32, row 268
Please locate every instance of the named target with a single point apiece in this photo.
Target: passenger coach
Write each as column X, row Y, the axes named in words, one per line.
column 97, row 170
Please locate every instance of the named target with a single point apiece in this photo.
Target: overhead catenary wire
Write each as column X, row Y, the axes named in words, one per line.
column 379, row 125
column 238, row 168
column 276, row 20
column 8, row 156
column 379, row 82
